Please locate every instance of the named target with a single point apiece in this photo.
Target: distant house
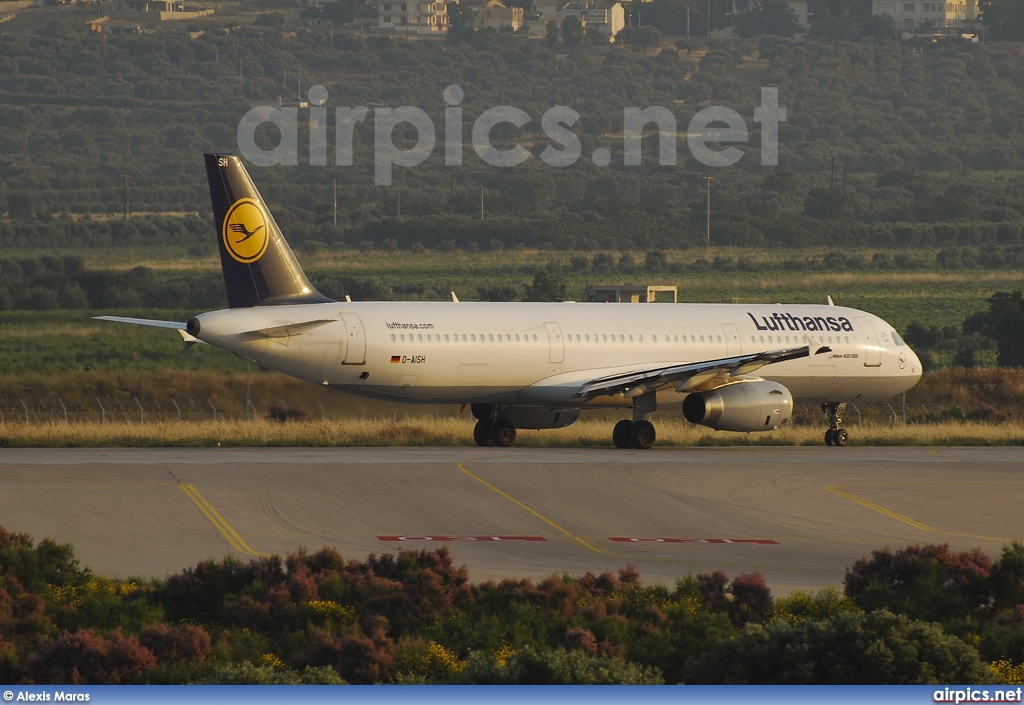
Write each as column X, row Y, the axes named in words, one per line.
column 410, row 17
column 913, row 15
column 537, row 25
column 159, row 10
column 601, row 19
column 631, row 293
column 494, row 14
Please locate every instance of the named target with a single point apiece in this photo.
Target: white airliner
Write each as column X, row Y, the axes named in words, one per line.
column 733, row 367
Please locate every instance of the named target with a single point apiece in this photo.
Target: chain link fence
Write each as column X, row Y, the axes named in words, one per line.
column 121, row 409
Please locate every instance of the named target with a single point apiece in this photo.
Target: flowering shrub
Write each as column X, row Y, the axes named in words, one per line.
column 1007, row 672
column 414, row 617
column 87, row 658
column 185, row 642
column 928, row 582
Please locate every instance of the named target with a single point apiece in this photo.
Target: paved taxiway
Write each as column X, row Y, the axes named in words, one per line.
column 153, row 512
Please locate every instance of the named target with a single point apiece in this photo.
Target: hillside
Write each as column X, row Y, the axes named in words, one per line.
column 932, row 143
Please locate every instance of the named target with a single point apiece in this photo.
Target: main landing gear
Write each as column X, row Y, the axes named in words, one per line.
column 490, row 431
column 634, row 434
column 835, row 436
column 638, row 433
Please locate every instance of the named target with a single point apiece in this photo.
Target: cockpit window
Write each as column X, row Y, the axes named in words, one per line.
column 897, row 338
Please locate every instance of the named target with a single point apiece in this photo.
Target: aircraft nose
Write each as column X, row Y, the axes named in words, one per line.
column 910, row 365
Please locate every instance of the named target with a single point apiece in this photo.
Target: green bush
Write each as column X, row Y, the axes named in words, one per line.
column 555, row 667
column 246, row 673
column 878, row 648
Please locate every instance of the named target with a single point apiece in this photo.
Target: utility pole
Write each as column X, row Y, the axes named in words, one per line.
column 124, row 194
column 709, row 178
column 247, row 402
column 709, row 18
column 481, row 203
column 335, row 203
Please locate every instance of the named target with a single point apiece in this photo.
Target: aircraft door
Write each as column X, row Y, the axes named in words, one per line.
column 732, row 340
column 556, row 346
column 872, row 352
column 354, row 342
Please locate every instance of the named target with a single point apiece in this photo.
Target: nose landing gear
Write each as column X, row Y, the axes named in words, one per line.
column 835, row 436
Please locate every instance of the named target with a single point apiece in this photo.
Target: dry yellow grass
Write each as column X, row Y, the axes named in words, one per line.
column 451, row 431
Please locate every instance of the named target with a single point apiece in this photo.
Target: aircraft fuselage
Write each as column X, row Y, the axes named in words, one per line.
column 541, row 353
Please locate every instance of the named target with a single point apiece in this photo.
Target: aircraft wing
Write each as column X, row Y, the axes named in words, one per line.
column 690, row 376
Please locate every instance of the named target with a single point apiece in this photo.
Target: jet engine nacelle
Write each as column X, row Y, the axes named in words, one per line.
column 743, row 406
column 541, row 417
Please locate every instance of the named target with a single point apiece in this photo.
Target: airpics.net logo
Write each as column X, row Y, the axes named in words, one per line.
column 707, row 132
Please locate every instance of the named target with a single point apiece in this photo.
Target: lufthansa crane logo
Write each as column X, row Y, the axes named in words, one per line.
column 245, row 231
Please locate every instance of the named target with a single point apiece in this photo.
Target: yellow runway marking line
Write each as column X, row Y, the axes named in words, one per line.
column 226, row 530
column 906, row 520
column 544, row 519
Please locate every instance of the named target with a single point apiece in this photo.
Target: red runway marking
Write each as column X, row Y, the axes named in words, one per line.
column 461, row 538
column 628, row 539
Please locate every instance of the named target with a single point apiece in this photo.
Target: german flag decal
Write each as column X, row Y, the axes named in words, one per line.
column 395, row 359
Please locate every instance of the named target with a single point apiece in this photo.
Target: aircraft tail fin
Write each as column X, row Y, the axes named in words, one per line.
column 259, row 267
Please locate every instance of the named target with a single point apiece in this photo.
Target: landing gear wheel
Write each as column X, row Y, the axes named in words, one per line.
column 482, row 432
column 642, row 434
column 503, row 433
column 835, row 436
column 482, row 411
column 622, row 434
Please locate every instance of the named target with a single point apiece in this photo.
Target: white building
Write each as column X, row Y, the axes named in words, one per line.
column 599, row 19
column 494, row 14
column 411, row 17
column 914, row 15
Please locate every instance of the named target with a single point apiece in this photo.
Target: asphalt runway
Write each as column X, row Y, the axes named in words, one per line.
column 800, row 516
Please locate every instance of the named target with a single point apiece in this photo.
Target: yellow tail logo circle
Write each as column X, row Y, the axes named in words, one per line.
column 245, row 231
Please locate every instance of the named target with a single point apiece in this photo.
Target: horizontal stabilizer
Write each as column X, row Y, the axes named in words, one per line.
column 142, row 322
